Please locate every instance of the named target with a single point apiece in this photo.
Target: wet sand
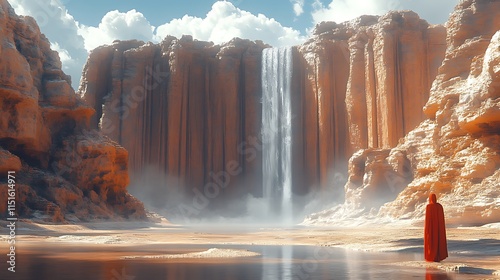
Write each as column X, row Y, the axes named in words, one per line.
column 473, row 250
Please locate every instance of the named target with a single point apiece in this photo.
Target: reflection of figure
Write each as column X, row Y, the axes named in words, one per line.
column 435, row 247
column 432, row 274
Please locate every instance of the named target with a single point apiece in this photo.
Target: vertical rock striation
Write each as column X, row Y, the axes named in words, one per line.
column 455, row 151
column 362, row 84
column 188, row 108
column 193, row 109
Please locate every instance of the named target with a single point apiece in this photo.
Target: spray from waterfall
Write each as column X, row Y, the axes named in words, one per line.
column 277, row 131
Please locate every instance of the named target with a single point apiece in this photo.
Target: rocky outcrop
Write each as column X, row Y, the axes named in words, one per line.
column 188, row 108
column 9, row 162
column 362, row 84
column 192, row 109
column 63, row 169
column 455, row 152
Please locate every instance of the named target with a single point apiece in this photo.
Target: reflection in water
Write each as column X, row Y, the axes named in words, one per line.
column 286, row 260
column 275, row 263
column 353, row 266
column 279, row 268
column 434, row 274
column 269, row 271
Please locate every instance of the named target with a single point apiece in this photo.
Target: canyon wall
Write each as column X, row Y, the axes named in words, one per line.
column 363, row 101
column 455, row 151
column 362, row 84
column 192, row 110
column 186, row 108
column 63, row 170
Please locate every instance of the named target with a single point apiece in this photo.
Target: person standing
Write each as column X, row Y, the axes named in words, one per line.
column 435, row 245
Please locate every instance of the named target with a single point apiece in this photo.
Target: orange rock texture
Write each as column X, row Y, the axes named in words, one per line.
column 192, row 109
column 64, row 171
column 188, row 108
column 455, row 151
column 362, row 84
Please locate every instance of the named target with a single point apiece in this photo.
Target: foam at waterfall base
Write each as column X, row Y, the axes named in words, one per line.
column 349, row 215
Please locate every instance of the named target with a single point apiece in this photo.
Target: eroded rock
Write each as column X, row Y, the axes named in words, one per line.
column 45, row 136
column 455, row 153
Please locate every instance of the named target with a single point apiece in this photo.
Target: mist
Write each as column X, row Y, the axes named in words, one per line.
column 180, row 204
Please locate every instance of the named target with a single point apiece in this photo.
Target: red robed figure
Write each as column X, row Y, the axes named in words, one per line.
column 435, row 247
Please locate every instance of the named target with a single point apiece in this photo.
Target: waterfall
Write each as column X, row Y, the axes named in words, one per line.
column 277, row 130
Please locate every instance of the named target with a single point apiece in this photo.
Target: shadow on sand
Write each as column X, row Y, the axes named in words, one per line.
column 478, row 248
column 470, row 248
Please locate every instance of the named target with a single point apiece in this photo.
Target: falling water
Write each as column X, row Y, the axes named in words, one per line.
column 277, row 130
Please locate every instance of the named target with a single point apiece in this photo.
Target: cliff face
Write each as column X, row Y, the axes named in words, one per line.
column 187, row 108
column 63, row 170
column 363, row 85
column 192, row 109
column 455, row 152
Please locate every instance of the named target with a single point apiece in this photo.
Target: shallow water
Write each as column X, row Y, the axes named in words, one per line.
column 275, row 262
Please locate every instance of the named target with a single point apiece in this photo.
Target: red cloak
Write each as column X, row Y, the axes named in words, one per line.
column 435, row 246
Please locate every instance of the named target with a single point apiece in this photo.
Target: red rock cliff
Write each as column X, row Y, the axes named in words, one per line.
column 192, row 108
column 362, row 84
column 63, row 169
column 455, row 151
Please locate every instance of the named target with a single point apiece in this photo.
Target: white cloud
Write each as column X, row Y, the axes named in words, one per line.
column 298, row 7
column 117, row 26
column 225, row 21
column 343, row 10
column 63, row 53
column 62, row 31
column 433, row 11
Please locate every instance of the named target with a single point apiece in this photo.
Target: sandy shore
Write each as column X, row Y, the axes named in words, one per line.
column 212, row 253
column 472, row 250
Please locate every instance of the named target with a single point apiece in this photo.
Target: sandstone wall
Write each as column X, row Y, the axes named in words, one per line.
column 363, row 85
column 63, row 169
column 455, row 152
column 192, row 109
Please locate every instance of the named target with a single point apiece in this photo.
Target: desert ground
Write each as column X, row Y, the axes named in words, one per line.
column 471, row 249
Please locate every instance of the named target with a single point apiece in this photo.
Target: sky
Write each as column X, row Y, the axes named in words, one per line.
column 76, row 27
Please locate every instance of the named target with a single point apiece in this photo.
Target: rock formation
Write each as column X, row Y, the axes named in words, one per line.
column 192, row 109
column 362, row 101
column 63, row 169
column 455, row 152
column 362, row 84
column 186, row 108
